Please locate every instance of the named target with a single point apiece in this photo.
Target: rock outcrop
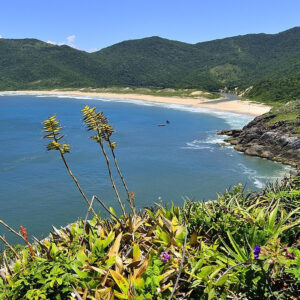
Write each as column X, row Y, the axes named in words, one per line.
column 268, row 138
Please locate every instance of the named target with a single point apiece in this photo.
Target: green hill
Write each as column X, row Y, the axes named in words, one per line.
column 32, row 64
column 268, row 62
column 273, row 89
column 156, row 62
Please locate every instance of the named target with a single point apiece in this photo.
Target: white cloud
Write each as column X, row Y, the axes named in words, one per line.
column 1, row 36
column 93, row 50
column 52, row 43
column 70, row 40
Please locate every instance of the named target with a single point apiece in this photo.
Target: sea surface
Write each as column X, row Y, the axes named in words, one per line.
column 160, row 164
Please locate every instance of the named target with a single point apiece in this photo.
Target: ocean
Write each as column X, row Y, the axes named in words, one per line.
column 161, row 164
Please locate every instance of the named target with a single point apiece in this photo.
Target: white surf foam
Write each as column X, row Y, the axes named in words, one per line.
column 258, row 183
column 260, row 180
column 234, row 120
column 196, row 145
column 212, row 139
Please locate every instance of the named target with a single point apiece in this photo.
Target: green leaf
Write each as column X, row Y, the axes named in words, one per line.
column 81, row 274
column 237, row 248
column 136, row 252
column 204, row 272
column 164, row 237
column 120, row 281
column 109, row 239
column 272, row 217
column 221, row 280
column 17, row 266
column 211, row 294
column 54, row 250
column 81, row 256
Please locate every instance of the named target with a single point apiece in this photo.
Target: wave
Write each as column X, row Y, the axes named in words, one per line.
column 196, row 145
column 212, row 139
column 28, row 158
column 8, row 168
column 215, row 139
column 65, row 97
column 260, row 181
column 234, row 120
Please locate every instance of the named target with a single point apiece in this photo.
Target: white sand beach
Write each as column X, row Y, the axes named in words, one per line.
column 236, row 106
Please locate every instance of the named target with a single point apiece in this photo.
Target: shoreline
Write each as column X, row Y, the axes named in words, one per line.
column 234, row 106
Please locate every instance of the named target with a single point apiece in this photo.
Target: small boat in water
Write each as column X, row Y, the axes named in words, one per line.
column 161, row 125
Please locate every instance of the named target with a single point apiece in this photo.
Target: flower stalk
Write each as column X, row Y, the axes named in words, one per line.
column 52, row 129
column 96, row 121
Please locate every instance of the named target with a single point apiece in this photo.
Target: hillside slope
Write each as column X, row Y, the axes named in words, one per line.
column 32, row 64
column 268, row 62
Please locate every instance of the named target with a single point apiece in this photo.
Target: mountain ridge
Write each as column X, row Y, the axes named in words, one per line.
column 234, row 62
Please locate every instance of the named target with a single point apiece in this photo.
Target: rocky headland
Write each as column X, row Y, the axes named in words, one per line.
column 274, row 135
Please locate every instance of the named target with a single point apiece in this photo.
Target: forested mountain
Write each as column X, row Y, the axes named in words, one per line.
column 268, row 62
column 32, row 64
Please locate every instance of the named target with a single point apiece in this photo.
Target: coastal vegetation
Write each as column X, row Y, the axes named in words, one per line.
column 266, row 66
column 287, row 115
column 274, row 135
column 244, row 245
column 276, row 91
column 159, row 92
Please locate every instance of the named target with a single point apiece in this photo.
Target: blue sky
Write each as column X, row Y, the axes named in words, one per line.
column 95, row 24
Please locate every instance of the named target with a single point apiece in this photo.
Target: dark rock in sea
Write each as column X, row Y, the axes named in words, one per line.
column 273, row 136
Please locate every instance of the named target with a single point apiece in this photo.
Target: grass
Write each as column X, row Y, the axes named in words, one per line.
column 288, row 115
column 285, row 117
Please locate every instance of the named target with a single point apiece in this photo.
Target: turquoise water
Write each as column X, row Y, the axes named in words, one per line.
column 159, row 163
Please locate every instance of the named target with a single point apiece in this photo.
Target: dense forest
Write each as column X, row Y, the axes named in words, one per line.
column 269, row 63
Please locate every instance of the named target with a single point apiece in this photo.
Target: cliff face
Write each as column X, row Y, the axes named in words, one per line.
column 275, row 135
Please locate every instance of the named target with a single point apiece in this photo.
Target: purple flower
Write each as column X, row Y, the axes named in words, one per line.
column 165, row 257
column 290, row 254
column 256, row 251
